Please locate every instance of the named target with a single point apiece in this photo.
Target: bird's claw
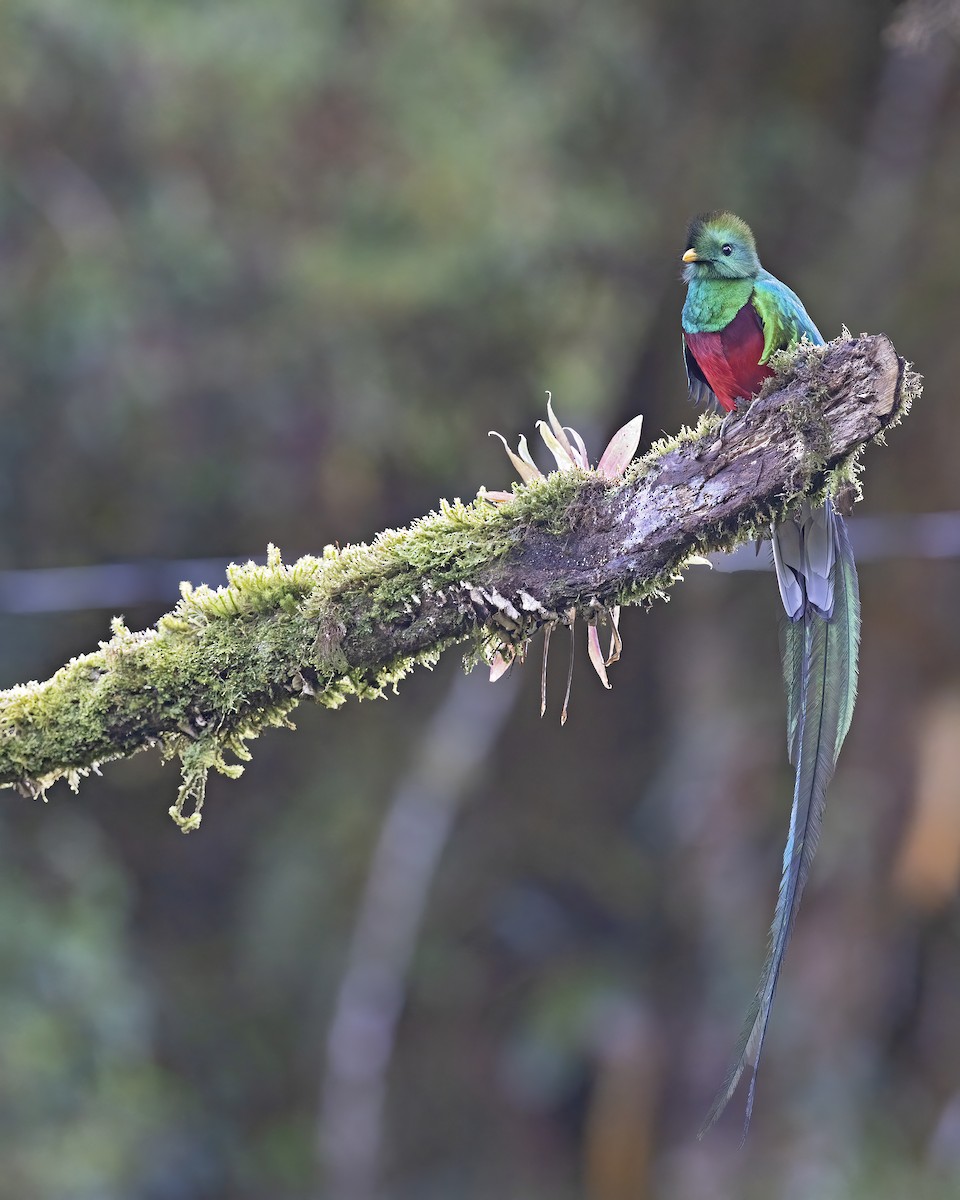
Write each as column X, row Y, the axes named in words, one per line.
column 712, row 453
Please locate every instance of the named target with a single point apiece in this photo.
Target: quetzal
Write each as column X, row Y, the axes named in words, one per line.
column 735, row 317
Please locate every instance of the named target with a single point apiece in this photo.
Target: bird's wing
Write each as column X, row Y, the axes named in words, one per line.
column 784, row 319
column 698, row 389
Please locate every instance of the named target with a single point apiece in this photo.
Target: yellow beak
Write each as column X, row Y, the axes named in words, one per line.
column 690, row 256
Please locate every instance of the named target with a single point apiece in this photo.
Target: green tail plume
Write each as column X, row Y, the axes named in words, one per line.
column 820, row 673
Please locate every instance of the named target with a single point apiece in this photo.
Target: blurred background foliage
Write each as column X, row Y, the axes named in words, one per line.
column 271, row 272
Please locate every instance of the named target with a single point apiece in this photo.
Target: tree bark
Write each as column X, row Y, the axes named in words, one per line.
column 226, row 663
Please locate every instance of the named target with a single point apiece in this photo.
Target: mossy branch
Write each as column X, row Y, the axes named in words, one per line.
column 226, row 663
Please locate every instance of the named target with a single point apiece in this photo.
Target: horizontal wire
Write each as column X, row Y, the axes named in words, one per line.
column 874, row 539
column 157, row 581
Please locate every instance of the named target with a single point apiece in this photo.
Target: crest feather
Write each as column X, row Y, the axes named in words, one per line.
column 717, row 220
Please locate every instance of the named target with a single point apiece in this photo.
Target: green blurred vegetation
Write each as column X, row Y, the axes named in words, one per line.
column 271, row 272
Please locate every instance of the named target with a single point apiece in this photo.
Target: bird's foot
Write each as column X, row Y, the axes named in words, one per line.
column 712, row 452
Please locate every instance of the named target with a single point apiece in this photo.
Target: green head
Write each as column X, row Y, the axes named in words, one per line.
column 720, row 246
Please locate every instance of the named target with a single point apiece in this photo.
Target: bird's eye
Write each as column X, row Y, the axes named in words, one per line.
column 726, row 248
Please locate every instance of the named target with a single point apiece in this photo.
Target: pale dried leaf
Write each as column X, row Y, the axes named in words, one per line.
column 560, row 432
column 547, row 634
column 499, row 666
column 572, row 615
column 525, row 468
column 596, row 654
column 580, row 449
column 524, row 451
column 620, row 450
column 616, row 645
column 494, row 497
column 564, row 459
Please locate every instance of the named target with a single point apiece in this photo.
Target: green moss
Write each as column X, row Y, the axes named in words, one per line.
column 229, row 661
column 708, row 423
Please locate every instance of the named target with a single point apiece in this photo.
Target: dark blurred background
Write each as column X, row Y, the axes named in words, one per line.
column 271, row 271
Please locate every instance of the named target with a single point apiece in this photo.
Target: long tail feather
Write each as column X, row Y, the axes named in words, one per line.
column 820, row 673
column 792, row 643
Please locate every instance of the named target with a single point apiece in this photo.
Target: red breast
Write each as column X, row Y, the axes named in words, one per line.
column 730, row 358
